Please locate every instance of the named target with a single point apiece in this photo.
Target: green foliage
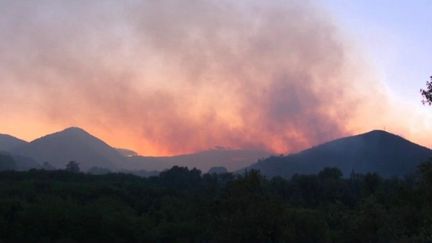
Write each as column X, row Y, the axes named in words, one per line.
column 182, row 205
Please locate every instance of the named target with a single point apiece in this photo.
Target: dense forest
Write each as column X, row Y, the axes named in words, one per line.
column 182, row 205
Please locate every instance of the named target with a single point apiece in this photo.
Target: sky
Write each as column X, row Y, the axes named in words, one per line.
column 170, row 76
column 394, row 35
column 395, row 38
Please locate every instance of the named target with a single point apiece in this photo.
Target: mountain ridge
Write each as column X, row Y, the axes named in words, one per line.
column 8, row 142
column 232, row 159
column 375, row 151
column 72, row 143
column 76, row 144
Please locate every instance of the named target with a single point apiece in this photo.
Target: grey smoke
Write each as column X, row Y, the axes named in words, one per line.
column 181, row 75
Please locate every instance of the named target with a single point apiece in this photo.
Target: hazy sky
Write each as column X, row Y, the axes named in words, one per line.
column 395, row 36
column 176, row 76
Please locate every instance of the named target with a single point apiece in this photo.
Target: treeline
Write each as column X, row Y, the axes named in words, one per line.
column 182, row 205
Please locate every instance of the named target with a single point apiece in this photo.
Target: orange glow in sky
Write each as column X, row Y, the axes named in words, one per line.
column 165, row 77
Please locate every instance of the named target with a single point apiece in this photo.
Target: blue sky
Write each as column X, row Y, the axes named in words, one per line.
column 394, row 36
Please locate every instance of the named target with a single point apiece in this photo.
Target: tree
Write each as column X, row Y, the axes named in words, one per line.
column 47, row 166
column 425, row 170
column 98, row 171
column 427, row 93
column 330, row 173
column 73, row 166
column 180, row 177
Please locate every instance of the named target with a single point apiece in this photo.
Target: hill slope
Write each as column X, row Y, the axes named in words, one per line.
column 232, row 159
column 8, row 142
column 71, row 144
column 375, row 151
column 78, row 145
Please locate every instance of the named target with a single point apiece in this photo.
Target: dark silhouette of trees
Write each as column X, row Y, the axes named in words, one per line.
column 7, row 162
column 182, row 205
column 73, row 167
column 330, row 173
column 427, row 93
column 98, row 171
column 47, row 166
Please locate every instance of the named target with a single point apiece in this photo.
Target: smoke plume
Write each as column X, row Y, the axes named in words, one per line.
column 174, row 76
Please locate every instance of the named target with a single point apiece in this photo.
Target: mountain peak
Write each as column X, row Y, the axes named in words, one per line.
column 74, row 130
column 378, row 132
column 72, row 143
column 375, row 151
column 381, row 136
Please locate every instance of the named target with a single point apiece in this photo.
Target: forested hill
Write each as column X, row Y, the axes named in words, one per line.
column 376, row 151
column 183, row 205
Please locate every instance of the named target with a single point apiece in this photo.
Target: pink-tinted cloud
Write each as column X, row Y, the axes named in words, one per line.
column 173, row 76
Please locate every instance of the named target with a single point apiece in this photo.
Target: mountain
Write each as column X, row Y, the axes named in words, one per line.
column 76, row 144
column 232, row 159
column 8, row 142
column 20, row 163
column 71, row 144
column 375, row 151
column 218, row 170
column 126, row 152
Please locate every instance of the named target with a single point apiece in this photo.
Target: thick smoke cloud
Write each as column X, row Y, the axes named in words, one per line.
column 177, row 76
